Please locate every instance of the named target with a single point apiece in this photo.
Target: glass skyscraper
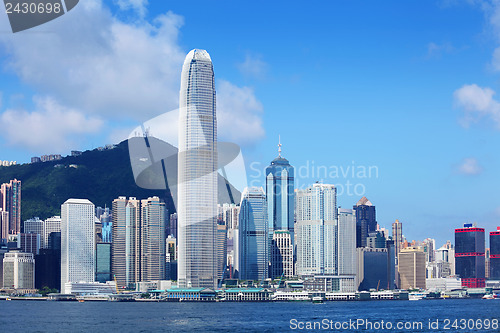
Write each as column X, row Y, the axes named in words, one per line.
column 280, row 206
column 253, row 246
column 366, row 221
column 197, row 173
column 469, row 256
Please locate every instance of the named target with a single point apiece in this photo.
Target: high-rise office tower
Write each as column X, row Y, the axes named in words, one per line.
column 77, row 242
column 229, row 214
column 125, row 248
column 153, row 246
column 11, row 203
column 317, row 235
column 366, row 220
column 346, row 242
column 4, row 224
column 18, row 270
column 495, row 254
column 253, row 235
column 197, row 173
column 397, row 236
column 469, row 256
column 412, row 268
column 280, row 207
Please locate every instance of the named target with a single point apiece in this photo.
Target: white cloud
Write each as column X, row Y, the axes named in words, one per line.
column 239, row 114
column 253, row 66
column 92, row 61
column 124, row 73
column 435, row 50
column 477, row 102
column 51, row 127
column 139, row 6
column 470, row 166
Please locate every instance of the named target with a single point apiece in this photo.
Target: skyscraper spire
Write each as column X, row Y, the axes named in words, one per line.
column 279, row 145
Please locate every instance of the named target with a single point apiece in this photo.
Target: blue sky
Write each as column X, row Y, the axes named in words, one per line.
column 407, row 87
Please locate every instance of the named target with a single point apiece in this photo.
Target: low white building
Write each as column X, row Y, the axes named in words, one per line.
column 90, row 288
column 443, row 284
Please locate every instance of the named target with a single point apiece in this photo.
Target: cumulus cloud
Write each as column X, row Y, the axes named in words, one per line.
column 139, row 6
column 239, row 114
column 470, row 166
column 94, row 62
column 477, row 102
column 101, row 67
column 253, row 66
column 50, row 126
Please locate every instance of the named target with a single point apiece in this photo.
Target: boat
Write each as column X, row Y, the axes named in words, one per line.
column 318, row 299
column 416, row 296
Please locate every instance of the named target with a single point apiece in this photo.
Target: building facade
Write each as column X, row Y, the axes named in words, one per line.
column 153, row 245
column 11, row 203
column 412, row 268
column 253, row 235
column 366, row 220
column 77, row 242
column 18, row 270
column 317, row 230
column 280, row 205
column 470, row 256
column 495, row 255
column 197, row 173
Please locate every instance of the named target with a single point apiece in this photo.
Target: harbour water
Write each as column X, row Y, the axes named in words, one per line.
column 119, row 317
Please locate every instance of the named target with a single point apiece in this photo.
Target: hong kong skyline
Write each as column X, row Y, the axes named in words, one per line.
column 392, row 101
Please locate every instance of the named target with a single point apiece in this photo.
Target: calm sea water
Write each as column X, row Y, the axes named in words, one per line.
column 42, row 316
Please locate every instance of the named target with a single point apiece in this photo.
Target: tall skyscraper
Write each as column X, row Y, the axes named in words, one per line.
column 43, row 228
column 253, row 235
column 469, row 256
column 197, row 173
column 397, row 236
column 125, row 248
column 153, row 246
column 346, row 242
column 495, row 255
column 77, row 242
column 11, row 203
column 317, row 234
column 366, row 220
column 280, row 207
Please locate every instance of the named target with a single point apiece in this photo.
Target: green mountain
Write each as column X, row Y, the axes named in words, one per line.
column 100, row 176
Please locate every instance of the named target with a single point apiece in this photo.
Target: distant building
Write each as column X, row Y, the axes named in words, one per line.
column 29, row 243
column 316, row 230
column 280, row 208
column 443, row 284
column 48, row 268
column 4, row 224
column 495, row 255
column 75, row 153
column 366, row 221
column 77, row 242
column 126, row 245
column 153, row 215
column 469, row 256
column 253, row 235
column 90, row 288
column 43, row 228
column 412, row 268
column 18, row 270
column 36, row 159
column 52, row 157
column 10, row 195
column 221, row 248
column 373, row 268
column 172, row 225
column 103, row 262
column 7, row 163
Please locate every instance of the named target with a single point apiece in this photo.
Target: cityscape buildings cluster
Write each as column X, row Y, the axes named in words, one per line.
column 276, row 233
